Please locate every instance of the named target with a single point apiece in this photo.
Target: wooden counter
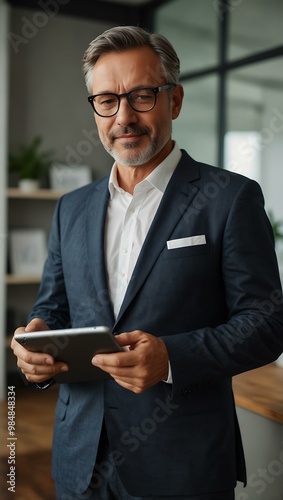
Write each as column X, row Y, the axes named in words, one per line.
column 261, row 391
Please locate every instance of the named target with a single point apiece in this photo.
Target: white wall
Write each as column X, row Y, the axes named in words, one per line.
column 272, row 154
column 48, row 95
column 4, row 15
column 263, row 446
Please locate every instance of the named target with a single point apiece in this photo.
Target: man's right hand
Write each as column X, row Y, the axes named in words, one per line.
column 37, row 367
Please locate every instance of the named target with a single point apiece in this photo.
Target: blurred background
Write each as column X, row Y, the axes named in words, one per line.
column 231, row 54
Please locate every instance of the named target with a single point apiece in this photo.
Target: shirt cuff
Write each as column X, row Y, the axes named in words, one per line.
column 169, row 378
column 44, row 385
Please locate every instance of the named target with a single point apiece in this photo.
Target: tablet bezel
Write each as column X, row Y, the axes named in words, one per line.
column 74, row 346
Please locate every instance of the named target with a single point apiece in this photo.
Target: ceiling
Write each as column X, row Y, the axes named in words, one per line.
column 115, row 11
column 129, row 2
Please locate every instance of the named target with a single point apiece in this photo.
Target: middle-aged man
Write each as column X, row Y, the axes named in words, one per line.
column 175, row 256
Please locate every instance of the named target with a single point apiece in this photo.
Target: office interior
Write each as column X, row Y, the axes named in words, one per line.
column 231, row 54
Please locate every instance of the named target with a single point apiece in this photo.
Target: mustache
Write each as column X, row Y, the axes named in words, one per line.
column 130, row 129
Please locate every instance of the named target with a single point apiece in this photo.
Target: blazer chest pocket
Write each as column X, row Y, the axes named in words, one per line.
column 186, row 247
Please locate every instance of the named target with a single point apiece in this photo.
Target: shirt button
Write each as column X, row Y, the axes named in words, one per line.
column 125, row 250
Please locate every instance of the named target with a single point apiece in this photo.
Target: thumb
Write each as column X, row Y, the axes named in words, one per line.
column 128, row 338
column 35, row 325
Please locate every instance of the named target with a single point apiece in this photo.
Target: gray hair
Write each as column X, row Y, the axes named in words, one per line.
column 122, row 38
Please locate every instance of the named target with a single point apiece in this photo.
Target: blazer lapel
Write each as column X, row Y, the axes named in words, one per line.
column 95, row 225
column 176, row 199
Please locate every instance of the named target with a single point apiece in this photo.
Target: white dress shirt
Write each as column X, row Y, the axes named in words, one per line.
column 127, row 222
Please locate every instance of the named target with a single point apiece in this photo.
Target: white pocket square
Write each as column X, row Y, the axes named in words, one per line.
column 186, row 242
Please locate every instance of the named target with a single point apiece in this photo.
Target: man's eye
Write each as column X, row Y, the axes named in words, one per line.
column 142, row 96
column 107, row 101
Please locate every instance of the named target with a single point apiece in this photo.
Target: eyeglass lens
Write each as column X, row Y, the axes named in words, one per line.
column 140, row 100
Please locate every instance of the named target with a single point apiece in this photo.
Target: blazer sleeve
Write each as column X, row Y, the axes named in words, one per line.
column 253, row 334
column 52, row 303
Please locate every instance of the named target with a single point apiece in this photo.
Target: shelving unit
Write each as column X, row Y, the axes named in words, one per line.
column 25, row 210
column 38, row 194
column 17, row 279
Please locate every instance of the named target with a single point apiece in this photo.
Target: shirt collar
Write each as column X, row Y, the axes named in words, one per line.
column 158, row 178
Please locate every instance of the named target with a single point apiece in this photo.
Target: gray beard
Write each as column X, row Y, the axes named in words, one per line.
column 136, row 158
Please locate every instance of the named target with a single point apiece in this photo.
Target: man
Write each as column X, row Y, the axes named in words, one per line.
column 177, row 258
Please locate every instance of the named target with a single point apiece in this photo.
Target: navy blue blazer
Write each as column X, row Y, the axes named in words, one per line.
column 217, row 306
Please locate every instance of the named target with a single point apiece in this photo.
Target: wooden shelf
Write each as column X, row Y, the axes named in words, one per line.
column 8, row 340
column 38, row 194
column 261, row 391
column 16, row 279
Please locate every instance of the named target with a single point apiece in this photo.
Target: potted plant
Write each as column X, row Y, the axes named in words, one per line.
column 30, row 164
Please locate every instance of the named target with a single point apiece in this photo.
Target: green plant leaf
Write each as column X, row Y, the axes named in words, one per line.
column 29, row 162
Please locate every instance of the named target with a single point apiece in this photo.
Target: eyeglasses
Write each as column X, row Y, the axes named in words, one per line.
column 141, row 100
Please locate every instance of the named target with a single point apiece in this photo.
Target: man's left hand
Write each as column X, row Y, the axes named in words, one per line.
column 143, row 364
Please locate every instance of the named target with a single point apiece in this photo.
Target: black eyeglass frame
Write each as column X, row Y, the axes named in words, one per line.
column 155, row 90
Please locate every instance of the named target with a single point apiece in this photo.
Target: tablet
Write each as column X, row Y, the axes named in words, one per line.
column 76, row 347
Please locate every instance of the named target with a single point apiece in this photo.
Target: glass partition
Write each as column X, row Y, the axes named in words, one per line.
column 192, row 28
column 255, row 26
column 196, row 128
column 254, row 138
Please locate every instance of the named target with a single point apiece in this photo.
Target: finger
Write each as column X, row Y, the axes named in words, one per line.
column 32, row 358
column 129, row 385
column 14, row 343
column 41, row 369
column 39, row 373
column 36, row 324
column 133, row 376
column 128, row 338
column 21, row 329
column 115, row 360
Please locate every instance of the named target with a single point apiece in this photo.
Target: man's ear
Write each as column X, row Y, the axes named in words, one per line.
column 177, row 100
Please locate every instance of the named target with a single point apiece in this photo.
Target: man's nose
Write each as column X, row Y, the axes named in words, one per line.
column 126, row 114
